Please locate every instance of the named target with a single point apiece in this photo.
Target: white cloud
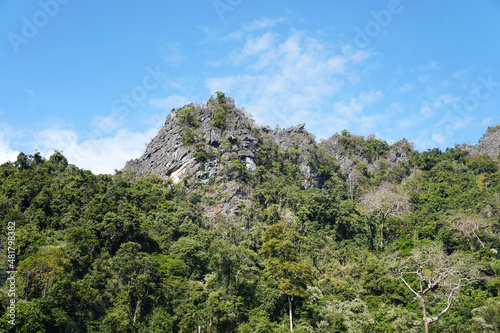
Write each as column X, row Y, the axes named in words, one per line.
column 287, row 78
column 106, row 124
column 462, row 123
column 370, row 97
column 430, row 66
column 351, row 114
column 439, row 138
column 462, row 73
column 7, row 154
column 254, row 46
column 445, row 100
column 405, row 123
column 172, row 54
column 406, row 87
column 262, row 23
column 424, row 78
column 96, row 153
column 487, row 121
column 426, row 111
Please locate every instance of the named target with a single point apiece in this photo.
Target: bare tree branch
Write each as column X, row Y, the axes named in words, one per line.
column 439, row 276
column 469, row 225
column 384, row 201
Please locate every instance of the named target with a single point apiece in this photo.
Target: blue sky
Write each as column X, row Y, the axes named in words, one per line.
column 96, row 79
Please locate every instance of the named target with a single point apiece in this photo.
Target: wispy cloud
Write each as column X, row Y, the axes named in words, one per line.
column 287, row 78
column 406, row 87
column 263, row 23
column 172, row 53
column 99, row 154
column 169, row 103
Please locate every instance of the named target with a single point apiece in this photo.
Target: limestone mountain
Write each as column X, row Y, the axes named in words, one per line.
column 198, row 140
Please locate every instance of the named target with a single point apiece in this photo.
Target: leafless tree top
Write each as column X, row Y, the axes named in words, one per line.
column 387, row 200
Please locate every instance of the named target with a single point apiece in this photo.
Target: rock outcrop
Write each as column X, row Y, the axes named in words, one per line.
column 198, row 146
column 489, row 144
column 199, row 141
column 183, row 150
column 349, row 150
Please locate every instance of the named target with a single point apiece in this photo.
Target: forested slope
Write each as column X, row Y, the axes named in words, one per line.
column 117, row 253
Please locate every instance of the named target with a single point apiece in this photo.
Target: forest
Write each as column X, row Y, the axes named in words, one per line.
column 411, row 248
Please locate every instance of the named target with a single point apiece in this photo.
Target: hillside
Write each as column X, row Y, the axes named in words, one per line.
column 226, row 226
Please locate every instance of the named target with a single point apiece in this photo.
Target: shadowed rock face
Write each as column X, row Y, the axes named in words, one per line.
column 171, row 155
column 489, row 144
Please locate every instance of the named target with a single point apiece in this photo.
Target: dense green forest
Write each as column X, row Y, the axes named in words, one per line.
column 112, row 253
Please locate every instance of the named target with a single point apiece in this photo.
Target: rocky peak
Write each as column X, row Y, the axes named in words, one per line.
column 204, row 141
column 197, row 139
column 194, row 139
column 488, row 144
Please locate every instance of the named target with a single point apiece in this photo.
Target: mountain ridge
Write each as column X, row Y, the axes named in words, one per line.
column 217, row 142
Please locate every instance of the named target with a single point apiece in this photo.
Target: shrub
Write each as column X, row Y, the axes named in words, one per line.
column 188, row 117
column 219, row 119
column 188, row 136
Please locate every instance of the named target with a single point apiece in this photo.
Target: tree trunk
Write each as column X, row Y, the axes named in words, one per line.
column 290, row 299
column 137, row 308
column 382, row 235
column 424, row 310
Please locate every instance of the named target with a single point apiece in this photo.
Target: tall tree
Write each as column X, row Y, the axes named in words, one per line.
column 283, row 261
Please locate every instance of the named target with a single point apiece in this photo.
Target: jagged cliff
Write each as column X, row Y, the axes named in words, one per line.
column 204, row 141
column 196, row 139
column 489, row 144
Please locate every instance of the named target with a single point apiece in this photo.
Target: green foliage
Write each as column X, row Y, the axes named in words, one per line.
column 188, row 136
column 487, row 317
column 219, row 118
column 188, row 116
column 371, row 148
column 220, row 97
column 104, row 253
column 482, row 164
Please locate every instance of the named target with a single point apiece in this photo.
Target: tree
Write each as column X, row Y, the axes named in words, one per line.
column 37, row 271
column 468, row 225
column 292, row 273
column 435, row 279
column 384, row 201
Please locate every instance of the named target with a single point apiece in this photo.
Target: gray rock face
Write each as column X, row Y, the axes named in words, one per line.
column 171, row 155
column 489, row 144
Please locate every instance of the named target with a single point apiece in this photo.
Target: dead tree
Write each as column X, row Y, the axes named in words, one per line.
column 469, row 225
column 384, row 201
column 435, row 279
